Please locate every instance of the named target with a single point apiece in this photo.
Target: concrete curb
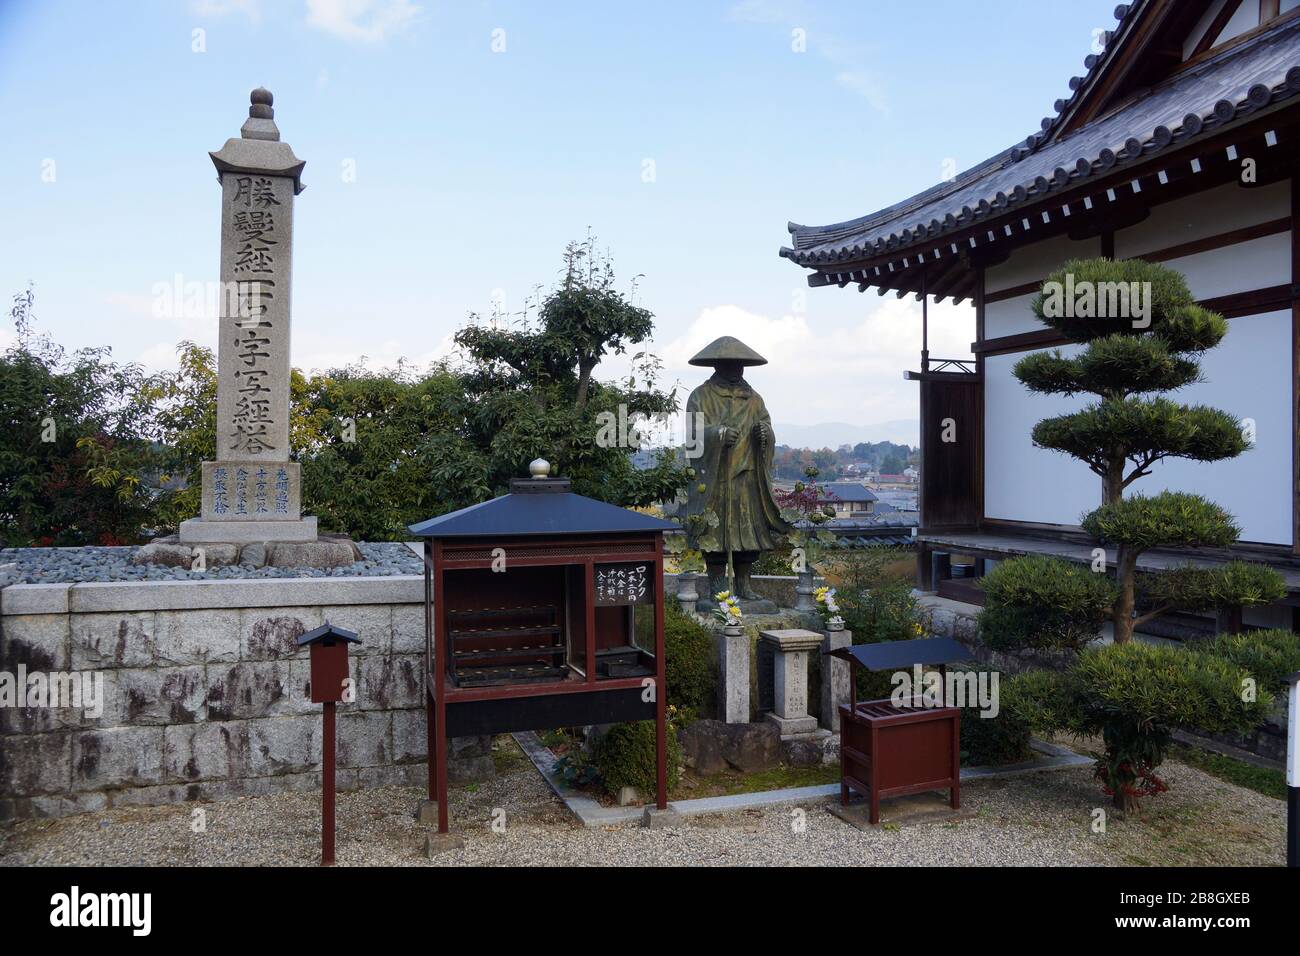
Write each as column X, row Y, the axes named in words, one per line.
column 592, row 815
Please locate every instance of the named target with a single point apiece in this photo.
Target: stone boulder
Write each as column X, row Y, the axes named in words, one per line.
column 310, row 554
column 751, row 747
column 803, row 753
column 703, row 743
column 170, row 555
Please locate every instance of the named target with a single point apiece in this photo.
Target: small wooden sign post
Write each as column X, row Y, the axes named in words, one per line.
column 329, row 685
column 1293, row 771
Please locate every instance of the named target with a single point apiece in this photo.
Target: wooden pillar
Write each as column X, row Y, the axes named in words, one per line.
column 327, row 786
column 924, row 570
column 438, row 683
column 661, row 686
column 430, row 718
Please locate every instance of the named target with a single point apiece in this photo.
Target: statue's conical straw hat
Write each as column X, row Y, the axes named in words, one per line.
column 727, row 349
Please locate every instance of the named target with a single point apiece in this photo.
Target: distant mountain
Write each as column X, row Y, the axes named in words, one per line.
column 905, row 431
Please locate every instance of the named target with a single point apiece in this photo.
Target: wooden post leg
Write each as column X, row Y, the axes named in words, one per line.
column 440, row 748
column 327, row 786
column 661, row 750
column 430, row 732
column 956, row 761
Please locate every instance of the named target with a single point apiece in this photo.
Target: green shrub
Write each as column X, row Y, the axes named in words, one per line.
column 625, row 757
column 1134, row 695
column 1001, row 739
column 1040, row 602
column 1268, row 656
column 690, row 663
column 885, row 612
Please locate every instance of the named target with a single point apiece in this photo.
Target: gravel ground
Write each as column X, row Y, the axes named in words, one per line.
column 1043, row 819
column 64, row 565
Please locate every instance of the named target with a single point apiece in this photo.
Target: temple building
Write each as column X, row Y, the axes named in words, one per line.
column 1179, row 144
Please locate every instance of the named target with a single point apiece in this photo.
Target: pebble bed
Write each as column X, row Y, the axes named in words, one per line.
column 1041, row 819
column 78, row 565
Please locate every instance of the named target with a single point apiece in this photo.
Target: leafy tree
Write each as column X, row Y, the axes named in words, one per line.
column 1042, row 602
column 75, row 444
column 381, row 449
column 1130, row 353
column 893, row 464
column 1134, row 695
column 529, row 390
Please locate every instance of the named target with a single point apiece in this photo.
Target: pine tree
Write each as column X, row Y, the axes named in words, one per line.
column 1143, row 334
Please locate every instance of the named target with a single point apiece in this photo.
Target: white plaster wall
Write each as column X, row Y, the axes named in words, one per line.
column 1241, row 267
column 1248, row 375
column 1033, row 263
column 1010, row 317
column 1205, row 214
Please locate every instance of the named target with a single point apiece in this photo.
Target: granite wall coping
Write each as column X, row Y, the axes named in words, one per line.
column 95, row 597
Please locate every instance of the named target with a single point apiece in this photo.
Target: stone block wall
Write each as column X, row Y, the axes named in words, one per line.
column 206, row 694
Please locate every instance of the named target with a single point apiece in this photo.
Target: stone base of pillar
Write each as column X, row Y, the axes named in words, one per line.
column 198, row 531
column 791, row 727
column 227, row 542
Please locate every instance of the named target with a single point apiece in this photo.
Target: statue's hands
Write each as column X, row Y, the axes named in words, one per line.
column 762, row 433
column 728, row 436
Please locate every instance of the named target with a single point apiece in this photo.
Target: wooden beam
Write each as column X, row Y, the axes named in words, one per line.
column 1216, row 27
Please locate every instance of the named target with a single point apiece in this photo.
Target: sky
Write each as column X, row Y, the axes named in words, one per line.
column 453, row 149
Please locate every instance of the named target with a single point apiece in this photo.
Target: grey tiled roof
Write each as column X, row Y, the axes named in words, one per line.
column 1243, row 79
column 847, row 491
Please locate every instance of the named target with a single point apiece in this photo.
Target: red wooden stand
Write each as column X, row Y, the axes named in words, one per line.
column 890, row 751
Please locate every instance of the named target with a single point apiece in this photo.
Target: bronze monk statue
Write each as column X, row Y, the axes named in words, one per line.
column 733, row 474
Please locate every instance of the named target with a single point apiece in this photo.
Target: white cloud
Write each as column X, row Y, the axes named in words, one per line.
column 367, row 21
column 820, row 373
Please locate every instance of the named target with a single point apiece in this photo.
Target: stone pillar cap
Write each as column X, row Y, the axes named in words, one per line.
column 258, row 150
column 792, row 639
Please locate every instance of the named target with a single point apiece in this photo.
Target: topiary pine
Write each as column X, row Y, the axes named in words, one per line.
column 1143, row 333
column 1151, row 349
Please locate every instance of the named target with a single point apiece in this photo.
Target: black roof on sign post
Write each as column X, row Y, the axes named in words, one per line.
column 329, row 633
column 539, row 506
column 892, row 655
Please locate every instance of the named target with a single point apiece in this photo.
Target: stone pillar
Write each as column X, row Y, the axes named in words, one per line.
column 733, row 675
column 790, row 679
column 253, row 492
column 836, row 675
column 687, row 591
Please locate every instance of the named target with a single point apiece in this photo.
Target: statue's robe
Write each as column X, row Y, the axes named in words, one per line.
column 736, row 483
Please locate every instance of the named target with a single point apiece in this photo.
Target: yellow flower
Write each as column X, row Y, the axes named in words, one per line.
column 722, row 596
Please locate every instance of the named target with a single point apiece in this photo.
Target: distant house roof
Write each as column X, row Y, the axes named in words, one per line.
column 868, row 531
column 846, row 491
column 538, row 507
column 1243, row 78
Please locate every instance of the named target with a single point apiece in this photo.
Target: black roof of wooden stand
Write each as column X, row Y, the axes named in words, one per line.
column 539, row 506
column 329, row 633
column 892, row 655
